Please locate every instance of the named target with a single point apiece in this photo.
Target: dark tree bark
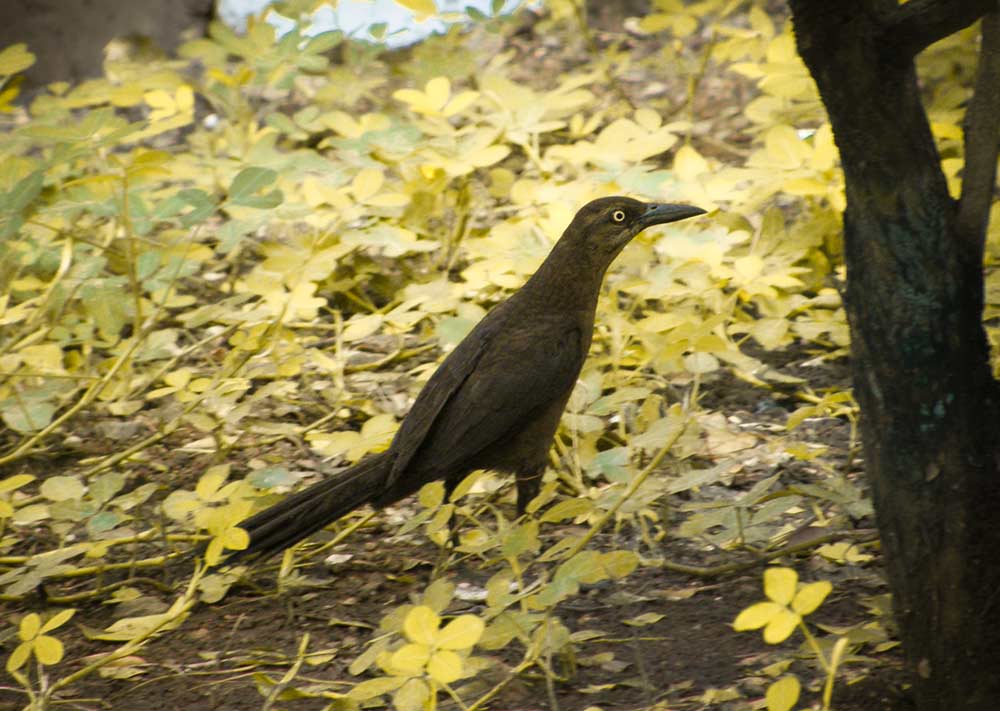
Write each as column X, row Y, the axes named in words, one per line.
column 920, row 356
column 68, row 36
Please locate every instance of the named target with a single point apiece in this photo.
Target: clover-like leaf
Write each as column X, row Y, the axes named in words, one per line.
column 444, row 666
column 811, row 596
column 461, row 633
column 779, row 584
column 421, row 625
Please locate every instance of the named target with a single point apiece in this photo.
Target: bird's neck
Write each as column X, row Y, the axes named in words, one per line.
column 567, row 280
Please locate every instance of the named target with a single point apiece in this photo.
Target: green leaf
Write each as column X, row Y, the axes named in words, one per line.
column 567, row 508
column 271, row 477
column 29, row 416
column 247, row 185
column 323, row 42
column 62, row 488
column 522, row 539
column 438, row 594
column 26, row 190
column 104, row 487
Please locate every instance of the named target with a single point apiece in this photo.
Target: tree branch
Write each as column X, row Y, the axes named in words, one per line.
column 914, row 26
column 982, row 139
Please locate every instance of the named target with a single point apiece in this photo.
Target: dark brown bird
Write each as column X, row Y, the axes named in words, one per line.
column 496, row 400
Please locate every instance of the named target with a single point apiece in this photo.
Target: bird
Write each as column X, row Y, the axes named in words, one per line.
column 496, row 400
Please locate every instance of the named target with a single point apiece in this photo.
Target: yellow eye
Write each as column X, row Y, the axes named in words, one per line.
column 618, row 216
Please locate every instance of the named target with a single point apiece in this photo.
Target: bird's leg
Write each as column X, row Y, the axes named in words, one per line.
column 528, row 485
column 452, row 542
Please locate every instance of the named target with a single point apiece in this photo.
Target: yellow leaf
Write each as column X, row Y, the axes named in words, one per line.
column 779, row 584
column 389, row 200
column 618, row 564
column 29, row 627
column 780, row 626
column 49, row 650
column 770, row 332
column 437, row 91
column 785, row 149
column 367, row 183
column 461, row 633
column 701, row 363
column 824, row 149
column 342, row 123
column 806, row 186
column 15, row 482
column 648, row 119
column 373, row 688
column 444, row 666
column 15, row 58
column 688, row 163
column 811, row 596
column 413, row 695
column 460, row 102
column 19, row 656
column 236, row 539
column 782, row 694
column 45, row 357
column 761, row 22
column 361, row 327
column 487, row 156
column 749, row 267
column 422, row 9
column 58, row 620
column 756, row 616
column 178, row 378
column 210, row 481
column 421, row 625
column 431, row 495
column 410, row 659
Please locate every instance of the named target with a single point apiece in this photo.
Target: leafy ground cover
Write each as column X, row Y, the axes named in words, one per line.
column 229, row 272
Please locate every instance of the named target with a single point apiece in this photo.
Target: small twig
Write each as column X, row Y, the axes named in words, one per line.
column 727, row 568
column 289, row 676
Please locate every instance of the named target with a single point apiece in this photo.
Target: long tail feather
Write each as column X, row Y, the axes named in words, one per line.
column 302, row 514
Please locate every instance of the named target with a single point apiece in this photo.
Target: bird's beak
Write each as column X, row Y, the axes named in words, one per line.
column 659, row 213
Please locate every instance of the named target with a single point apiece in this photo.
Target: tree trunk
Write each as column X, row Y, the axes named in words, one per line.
column 920, row 356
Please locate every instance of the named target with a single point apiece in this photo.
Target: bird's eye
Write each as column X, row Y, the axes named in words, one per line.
column 618, row 216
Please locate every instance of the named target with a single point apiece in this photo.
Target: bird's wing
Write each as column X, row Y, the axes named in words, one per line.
column 488, row 393
column 447, row 380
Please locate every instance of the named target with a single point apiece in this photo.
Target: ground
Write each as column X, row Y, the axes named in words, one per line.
column 688, row 659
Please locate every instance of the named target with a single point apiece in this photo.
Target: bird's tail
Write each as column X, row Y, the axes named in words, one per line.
column 302, row 514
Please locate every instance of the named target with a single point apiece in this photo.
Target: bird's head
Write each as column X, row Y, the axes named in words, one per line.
column 606, row 225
